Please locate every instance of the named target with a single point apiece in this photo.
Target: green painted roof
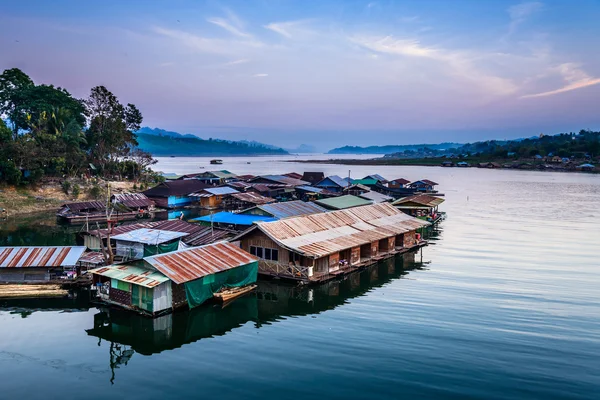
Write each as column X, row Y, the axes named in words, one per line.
column 343, row 202
column 365, row 182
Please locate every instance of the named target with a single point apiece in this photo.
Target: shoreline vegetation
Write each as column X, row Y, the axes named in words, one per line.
column 437, row 162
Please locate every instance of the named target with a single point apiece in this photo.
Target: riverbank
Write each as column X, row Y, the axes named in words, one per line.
column 49, row 196
column 468, row 163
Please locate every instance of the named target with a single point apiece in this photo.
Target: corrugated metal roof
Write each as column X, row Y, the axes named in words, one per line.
column 149, row 236
column 291, row 209
column 182, row 266
column 319, row 235
column 342, row 202
column 294, row 175
column 341, row 182
column 286, row 180
column 421, row 199
column 253, row 198
column 400, row 181
column 175, row 188
column 86, row 205
column 225, row 217
column 172, row 225
column 129, row 273
column 365, row 181
column 132, row 200
column 217, row 191
column 375, row 196
column 377, row 177
column 92, row 257
column 206, row 236
column 38, row 256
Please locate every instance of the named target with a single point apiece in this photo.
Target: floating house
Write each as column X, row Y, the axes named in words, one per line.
column 176, row 279
column 463, row 164
column 242, row 201
column 215, row 178
column 313, row 177
column 310, row 193
column 132, row 201
column 319, row 247
column 585, row 167
column 82, row 211
column 286, row 209
column 24, row 264
column 343, row 202
column 173, row 194
column 93, row 239
column 377, row 178
column 271, row 190
column 334, row 183
column 368, row 182
column 424, row 185
column 278, row 179
column 211, row 198
column 294, row 175
column 397, row 183
column 357, row 189
column 422, row 206
column 137, row 244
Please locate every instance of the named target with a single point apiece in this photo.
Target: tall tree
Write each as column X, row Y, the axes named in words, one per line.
column 13, row 82
column 111, row 132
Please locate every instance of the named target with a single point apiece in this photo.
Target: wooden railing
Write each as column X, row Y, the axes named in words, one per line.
column 276, row 269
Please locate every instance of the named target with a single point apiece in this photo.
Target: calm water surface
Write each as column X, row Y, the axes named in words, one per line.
column 503, row 304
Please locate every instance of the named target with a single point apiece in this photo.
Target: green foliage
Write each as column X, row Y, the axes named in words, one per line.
column 48, row 134
column 66, row 186
column 76, row 190
column 95, row 191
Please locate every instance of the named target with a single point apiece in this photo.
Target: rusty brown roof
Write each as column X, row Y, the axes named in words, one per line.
column 85, row 205
column 319, row 235
column 254, row 198
column 421, row 199
column 173, row 225
column 132, row 200
column 183, row 266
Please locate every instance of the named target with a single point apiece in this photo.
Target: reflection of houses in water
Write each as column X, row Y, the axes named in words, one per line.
column 276, row 300
column 128, row 333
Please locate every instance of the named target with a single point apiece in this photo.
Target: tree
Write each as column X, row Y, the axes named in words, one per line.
column 13, row 82
column 111, row 132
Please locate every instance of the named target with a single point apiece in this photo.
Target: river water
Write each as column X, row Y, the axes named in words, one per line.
column 503, row 304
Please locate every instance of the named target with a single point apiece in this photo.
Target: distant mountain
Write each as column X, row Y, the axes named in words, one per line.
column 303, row 148
column 194, row 146
column 391, row 148
column 161, row 132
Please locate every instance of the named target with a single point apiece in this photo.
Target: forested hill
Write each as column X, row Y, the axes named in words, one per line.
column 193, row 146
column 390, row 148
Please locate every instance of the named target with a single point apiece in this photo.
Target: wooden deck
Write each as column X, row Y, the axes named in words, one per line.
column 300, row 274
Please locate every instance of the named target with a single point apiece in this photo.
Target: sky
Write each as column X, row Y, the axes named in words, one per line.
column 326, row 73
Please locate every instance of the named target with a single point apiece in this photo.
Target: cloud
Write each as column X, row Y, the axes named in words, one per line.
column 236, row 62
column 461, row 64
column 209, row 45
column 574, row 77
column 289, row 29
column 414, row 18
column 519, row 14
column 228, row 26
column 260, row 75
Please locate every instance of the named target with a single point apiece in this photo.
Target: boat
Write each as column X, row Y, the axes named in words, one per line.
column 216, row 162
column 227, row 295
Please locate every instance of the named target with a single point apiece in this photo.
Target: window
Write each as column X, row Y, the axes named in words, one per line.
column 265, row 253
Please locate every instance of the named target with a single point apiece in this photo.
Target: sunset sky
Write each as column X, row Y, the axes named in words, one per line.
column 327, row 73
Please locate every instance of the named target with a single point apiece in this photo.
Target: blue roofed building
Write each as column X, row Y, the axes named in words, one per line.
column 334, row 183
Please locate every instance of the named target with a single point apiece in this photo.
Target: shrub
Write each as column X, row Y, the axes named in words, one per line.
column 66, row 186
column 76, row 190
column 95, row 191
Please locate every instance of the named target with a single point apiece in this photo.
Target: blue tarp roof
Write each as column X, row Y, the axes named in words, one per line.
column 225, row 217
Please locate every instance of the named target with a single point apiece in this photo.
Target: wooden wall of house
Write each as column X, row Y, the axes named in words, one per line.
column 391, row 243
column 409, row 239
column 178, row 295
column 120, row 296
column 259, row 239
column 355, row 255
column 162, row 297
column 322, row 265
column 374, row 248
column 334, row 262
